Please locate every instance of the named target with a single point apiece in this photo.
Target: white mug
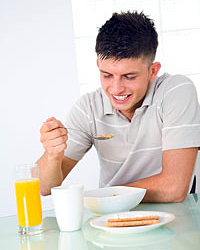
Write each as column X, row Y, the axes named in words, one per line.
column 68, row 205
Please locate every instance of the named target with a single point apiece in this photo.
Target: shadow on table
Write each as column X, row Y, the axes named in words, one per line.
column 160, row 238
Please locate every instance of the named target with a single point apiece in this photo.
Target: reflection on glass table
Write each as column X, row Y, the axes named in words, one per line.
column 183, row 233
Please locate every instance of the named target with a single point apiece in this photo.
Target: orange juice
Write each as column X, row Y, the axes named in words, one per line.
column 29, row 211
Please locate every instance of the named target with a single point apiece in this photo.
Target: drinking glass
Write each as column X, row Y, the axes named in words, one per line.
column 27, row 190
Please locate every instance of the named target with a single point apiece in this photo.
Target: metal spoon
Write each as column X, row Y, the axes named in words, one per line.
column 101, row 137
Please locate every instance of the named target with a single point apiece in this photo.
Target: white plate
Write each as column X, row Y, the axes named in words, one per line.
column 99, row 223
column 154, row 239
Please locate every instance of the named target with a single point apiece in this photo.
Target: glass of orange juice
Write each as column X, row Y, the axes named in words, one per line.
column 27, row 190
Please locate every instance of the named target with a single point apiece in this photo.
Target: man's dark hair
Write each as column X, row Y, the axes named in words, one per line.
column 127, row 35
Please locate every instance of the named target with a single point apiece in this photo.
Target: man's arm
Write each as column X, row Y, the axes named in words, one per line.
column 172, row 184
column 53, row 172
column 53, row 165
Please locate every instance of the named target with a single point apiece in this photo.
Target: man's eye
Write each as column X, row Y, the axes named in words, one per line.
column 130, row 77
column 106, row 76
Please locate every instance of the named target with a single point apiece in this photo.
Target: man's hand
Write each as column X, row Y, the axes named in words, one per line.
column 54, row 138
column 53, row 165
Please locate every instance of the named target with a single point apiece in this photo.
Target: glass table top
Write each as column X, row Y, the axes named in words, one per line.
column 182, row 233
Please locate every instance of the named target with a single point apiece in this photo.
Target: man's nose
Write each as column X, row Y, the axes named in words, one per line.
column 117, row 86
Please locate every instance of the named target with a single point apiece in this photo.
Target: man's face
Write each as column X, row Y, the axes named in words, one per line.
column 126, row 81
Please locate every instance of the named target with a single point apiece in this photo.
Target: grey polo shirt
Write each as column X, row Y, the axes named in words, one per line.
column 169, row 118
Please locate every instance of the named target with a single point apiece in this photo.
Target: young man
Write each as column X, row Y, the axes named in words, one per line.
column 155, row 120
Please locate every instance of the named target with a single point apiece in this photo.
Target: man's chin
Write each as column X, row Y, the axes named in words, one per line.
column 120, row 108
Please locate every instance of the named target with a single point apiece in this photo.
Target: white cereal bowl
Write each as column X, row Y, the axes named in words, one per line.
column 113, row 199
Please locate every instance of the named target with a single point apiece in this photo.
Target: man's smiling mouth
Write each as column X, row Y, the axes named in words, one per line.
column 120, row 97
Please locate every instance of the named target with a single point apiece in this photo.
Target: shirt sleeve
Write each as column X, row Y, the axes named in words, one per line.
column 78, row 124
column 181, row 115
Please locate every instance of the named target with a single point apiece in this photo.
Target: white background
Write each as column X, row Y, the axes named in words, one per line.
column 38, row 79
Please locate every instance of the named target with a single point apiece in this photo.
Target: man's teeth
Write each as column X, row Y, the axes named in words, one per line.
column 120, row 97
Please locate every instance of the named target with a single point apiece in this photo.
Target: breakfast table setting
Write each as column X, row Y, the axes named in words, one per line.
column 104, row 218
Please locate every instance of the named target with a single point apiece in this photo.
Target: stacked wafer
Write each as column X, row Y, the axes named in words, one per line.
column 134, row 221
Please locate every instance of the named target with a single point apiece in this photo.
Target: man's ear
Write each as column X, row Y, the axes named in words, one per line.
column 155, row 67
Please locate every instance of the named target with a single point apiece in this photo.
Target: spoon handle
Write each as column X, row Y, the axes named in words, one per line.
column 81, row 131
column 101, row 138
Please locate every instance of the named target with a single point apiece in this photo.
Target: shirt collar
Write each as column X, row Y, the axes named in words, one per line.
column 148, row 100
column 149, row 95
column 108, row 109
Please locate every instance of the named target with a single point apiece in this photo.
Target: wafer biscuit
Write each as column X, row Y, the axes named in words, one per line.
column 139, row 218
column 131, row 223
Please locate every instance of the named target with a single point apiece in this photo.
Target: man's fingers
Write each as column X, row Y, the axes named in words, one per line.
column 53, row 134
column 50, row 119
column 53, row 137
column 51, row 125
column 55, row 142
